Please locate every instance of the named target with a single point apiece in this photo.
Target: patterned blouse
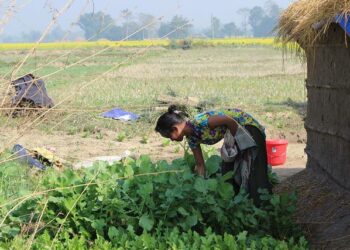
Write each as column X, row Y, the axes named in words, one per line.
column 204, row 134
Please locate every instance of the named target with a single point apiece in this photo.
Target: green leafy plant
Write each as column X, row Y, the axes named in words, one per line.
column 165, row 142
column 125, row 194
column 99, row 135
column 120, row 136
column 72, row 130
column 144, row 139
column 138, row 199
column 171, row 239
column 273, row 178
column 85, row 134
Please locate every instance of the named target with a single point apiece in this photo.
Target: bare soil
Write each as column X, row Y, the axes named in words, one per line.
column 75, row 148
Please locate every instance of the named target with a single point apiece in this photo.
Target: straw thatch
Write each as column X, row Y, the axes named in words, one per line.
column 322, row 209
column 306, row 20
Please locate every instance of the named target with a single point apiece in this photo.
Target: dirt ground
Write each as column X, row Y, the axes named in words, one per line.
column 75, row 148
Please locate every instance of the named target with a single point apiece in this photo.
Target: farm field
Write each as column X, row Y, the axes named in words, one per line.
column 261, row 80
column 269, row 41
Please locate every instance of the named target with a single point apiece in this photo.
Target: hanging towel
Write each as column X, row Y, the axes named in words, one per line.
column 241, row 151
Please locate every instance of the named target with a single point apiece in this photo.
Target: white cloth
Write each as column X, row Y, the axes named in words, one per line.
column 240, row 150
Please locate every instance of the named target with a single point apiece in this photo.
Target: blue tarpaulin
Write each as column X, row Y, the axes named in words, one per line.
column 343, row 21
column 24, row 157
column 32, row 89
column 119, row 114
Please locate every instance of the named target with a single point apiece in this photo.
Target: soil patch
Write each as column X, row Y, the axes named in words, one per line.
column 75, row 148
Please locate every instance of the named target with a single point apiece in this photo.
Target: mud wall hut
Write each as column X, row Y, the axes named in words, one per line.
column 321, row 28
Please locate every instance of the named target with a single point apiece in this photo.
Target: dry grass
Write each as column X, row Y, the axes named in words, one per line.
column 255, row 79
column 322, row 209
column 298, row 21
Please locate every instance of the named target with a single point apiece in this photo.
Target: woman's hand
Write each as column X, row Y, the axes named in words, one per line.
column 200, row 170
column 200, row 164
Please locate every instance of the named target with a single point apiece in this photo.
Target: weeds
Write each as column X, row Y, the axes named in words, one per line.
column 165, row 142
column 120, row 136
column 99, row 135
column 144, row 139
column 72, row 130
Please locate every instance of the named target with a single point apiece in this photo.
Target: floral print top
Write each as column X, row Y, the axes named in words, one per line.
column 204, row 134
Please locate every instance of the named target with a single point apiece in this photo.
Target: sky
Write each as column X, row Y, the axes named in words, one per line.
column 37, row 14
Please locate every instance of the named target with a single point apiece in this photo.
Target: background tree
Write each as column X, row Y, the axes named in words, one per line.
column 134, row 32
column 57, row 34
column 263, row 21
column 257, row 21
column 9, row 39
column 115, row 33
column 31, row 36
column 95, row 25
column 230, row 30
column 181, row 27
column 244, row 13
column 127, row 16
column 146, row 20
column 272, row 9
column 215, row 27
column 164, row 29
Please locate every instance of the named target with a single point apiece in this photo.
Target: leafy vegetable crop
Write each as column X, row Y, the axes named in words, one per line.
column 171, row 239
column 144, row 201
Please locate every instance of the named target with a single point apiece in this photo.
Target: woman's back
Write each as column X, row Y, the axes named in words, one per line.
column 206, row 135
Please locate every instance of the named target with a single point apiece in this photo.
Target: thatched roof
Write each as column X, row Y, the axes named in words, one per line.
column 305, row 20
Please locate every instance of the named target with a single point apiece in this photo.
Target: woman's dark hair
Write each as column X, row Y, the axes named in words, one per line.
column 166, row 121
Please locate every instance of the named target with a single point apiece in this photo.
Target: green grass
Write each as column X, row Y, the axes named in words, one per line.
column 257, row 79
column 14, row 177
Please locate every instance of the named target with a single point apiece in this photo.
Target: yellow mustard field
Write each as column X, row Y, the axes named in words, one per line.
column 235, row 41
column 140, row 43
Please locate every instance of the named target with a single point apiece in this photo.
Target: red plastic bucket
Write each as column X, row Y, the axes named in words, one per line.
column 276, row 152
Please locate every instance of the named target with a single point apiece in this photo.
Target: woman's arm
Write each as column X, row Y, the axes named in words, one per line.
column 218, row 120
column 200, row 165
column 213, row 122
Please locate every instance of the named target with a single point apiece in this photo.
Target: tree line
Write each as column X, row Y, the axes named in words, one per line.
column 258, row 21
